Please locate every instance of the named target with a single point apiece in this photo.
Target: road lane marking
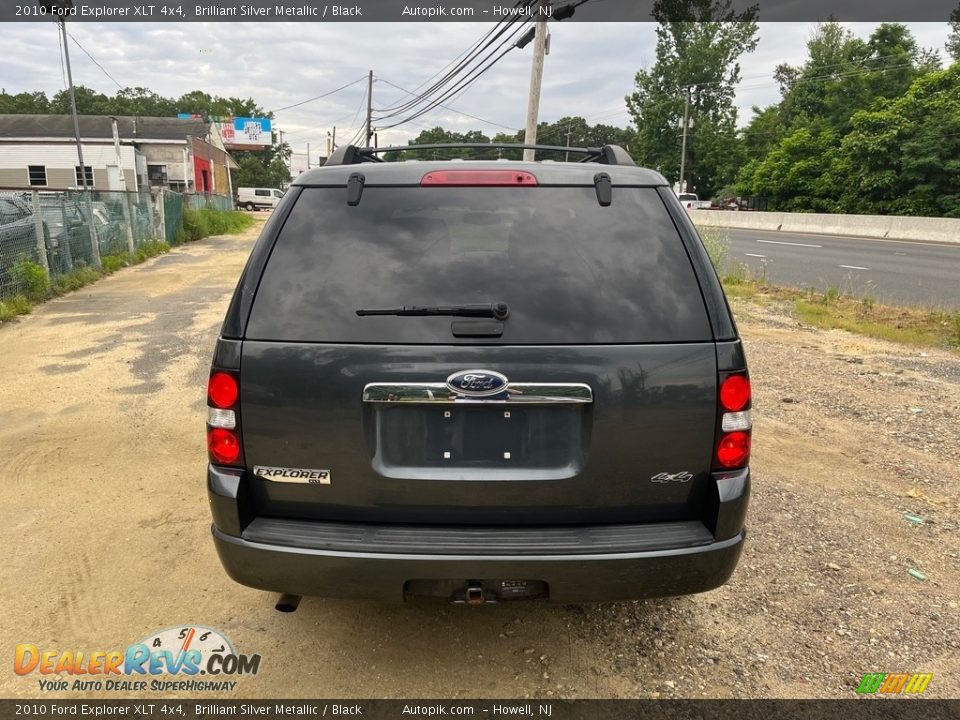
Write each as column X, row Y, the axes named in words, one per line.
column 754, row 255
column 778, row 242
column 788, row 233
column 853, row 267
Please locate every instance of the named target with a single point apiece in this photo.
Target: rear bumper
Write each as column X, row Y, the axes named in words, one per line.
column 570, row 578
column 577, row 564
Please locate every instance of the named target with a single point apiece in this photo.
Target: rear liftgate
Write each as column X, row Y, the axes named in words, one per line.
column 478, row 425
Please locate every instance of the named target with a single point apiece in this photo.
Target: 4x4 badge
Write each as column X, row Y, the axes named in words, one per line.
column 477, row 383
column 682, row 476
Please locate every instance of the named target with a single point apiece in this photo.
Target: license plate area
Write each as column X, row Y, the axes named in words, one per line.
column 478, row 441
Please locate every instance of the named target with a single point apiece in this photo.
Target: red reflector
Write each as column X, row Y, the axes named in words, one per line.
column 735, row 393
column 734, row 449
column 222, row 390
column 461, row 178
column 223, row 445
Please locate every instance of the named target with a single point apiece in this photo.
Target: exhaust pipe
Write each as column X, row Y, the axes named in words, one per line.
column 288, row 603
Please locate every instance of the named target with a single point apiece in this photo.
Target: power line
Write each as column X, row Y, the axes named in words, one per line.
column 63, row 73
column 94, row 61
column 461, row 86
column 451, row 109
column 474, row 52
column 326, row 94
column 458, row 57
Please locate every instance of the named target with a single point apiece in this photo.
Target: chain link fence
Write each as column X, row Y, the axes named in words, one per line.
column 44, row 235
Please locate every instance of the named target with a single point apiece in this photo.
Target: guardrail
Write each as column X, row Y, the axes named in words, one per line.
column 893, row 227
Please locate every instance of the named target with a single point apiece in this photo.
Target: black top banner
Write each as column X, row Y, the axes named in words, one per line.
column 159, row 11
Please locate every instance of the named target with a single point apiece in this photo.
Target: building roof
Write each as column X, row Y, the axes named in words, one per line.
column 99, row 127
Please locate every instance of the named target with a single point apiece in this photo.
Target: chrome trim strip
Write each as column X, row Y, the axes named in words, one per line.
column 518, row 393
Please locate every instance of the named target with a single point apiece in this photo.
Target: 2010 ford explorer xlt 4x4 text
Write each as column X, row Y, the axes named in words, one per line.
column 479, row 380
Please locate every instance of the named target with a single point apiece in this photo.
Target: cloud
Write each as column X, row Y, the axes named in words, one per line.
column 590, row 68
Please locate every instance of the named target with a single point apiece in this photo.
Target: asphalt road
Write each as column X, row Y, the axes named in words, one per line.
column 897, row 272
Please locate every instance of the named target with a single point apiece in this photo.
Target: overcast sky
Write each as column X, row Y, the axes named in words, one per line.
column 590, row 68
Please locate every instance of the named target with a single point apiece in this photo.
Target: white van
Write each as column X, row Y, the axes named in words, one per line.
column 250, row 198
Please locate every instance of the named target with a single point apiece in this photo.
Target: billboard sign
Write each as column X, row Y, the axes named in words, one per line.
column 246, row 133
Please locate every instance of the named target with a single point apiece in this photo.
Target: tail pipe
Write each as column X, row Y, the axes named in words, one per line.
column 288, row 603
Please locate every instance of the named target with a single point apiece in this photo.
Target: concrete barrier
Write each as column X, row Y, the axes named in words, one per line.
column 865, row 226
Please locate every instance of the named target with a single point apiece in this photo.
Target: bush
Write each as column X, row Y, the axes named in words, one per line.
column 207, row 221
column 112, row 263
column 31, row 278
column 17, row 305
column 75, row 279
column 717, row 243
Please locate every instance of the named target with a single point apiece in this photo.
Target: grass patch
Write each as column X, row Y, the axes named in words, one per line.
column 910, row 326
column 39, row 287
column 31, row 277
column 832, row 309
column 11, row 307
column 204, row 222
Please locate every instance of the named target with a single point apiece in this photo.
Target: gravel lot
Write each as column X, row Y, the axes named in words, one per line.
column 102, row 502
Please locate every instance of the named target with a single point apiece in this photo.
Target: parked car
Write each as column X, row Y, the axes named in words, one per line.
column 479, row 380
column 258, row 198
column 18, row 233
column 691, row 201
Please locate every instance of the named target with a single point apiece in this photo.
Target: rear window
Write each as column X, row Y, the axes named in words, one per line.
column 572, row 272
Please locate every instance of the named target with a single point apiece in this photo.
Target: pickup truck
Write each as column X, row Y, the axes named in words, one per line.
column 691, row 202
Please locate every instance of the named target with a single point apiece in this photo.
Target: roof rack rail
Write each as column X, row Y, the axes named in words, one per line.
column 353, row 155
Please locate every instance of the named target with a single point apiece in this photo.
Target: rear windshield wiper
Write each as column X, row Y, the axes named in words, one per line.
column 499, row 311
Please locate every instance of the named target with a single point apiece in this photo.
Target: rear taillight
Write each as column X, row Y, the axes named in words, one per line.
column 222, row 390
column 735, row 393
column 735, row 423
column 734, row 449
column 224, row 446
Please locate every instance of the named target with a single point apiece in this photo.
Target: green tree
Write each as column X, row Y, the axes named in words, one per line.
column 904, row 154
column 953, row 39
column 439, row 135
column 89, row 102
column 25, row 103
column 844, row 74
column 763, row 133
column 697, row 55
column 801, row 174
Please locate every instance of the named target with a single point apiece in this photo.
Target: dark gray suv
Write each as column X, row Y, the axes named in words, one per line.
column 480, row 380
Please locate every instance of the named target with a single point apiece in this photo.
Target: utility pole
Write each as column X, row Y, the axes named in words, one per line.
column 536, row 79
column 368, row 133
column 566, row 155
column 683, row 145
column 333, row 140
column 94, row 240
column 308, row 156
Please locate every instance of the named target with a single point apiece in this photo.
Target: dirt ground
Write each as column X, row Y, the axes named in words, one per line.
column 104, row 517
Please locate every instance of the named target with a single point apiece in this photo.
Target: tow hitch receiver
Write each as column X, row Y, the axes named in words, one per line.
column 474, row 594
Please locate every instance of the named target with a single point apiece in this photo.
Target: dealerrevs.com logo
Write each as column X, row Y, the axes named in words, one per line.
column 198, row 659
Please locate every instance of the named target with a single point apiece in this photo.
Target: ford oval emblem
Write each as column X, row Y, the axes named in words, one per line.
column 477, row 383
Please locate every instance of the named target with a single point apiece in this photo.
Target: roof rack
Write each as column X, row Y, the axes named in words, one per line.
column 353, row 155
